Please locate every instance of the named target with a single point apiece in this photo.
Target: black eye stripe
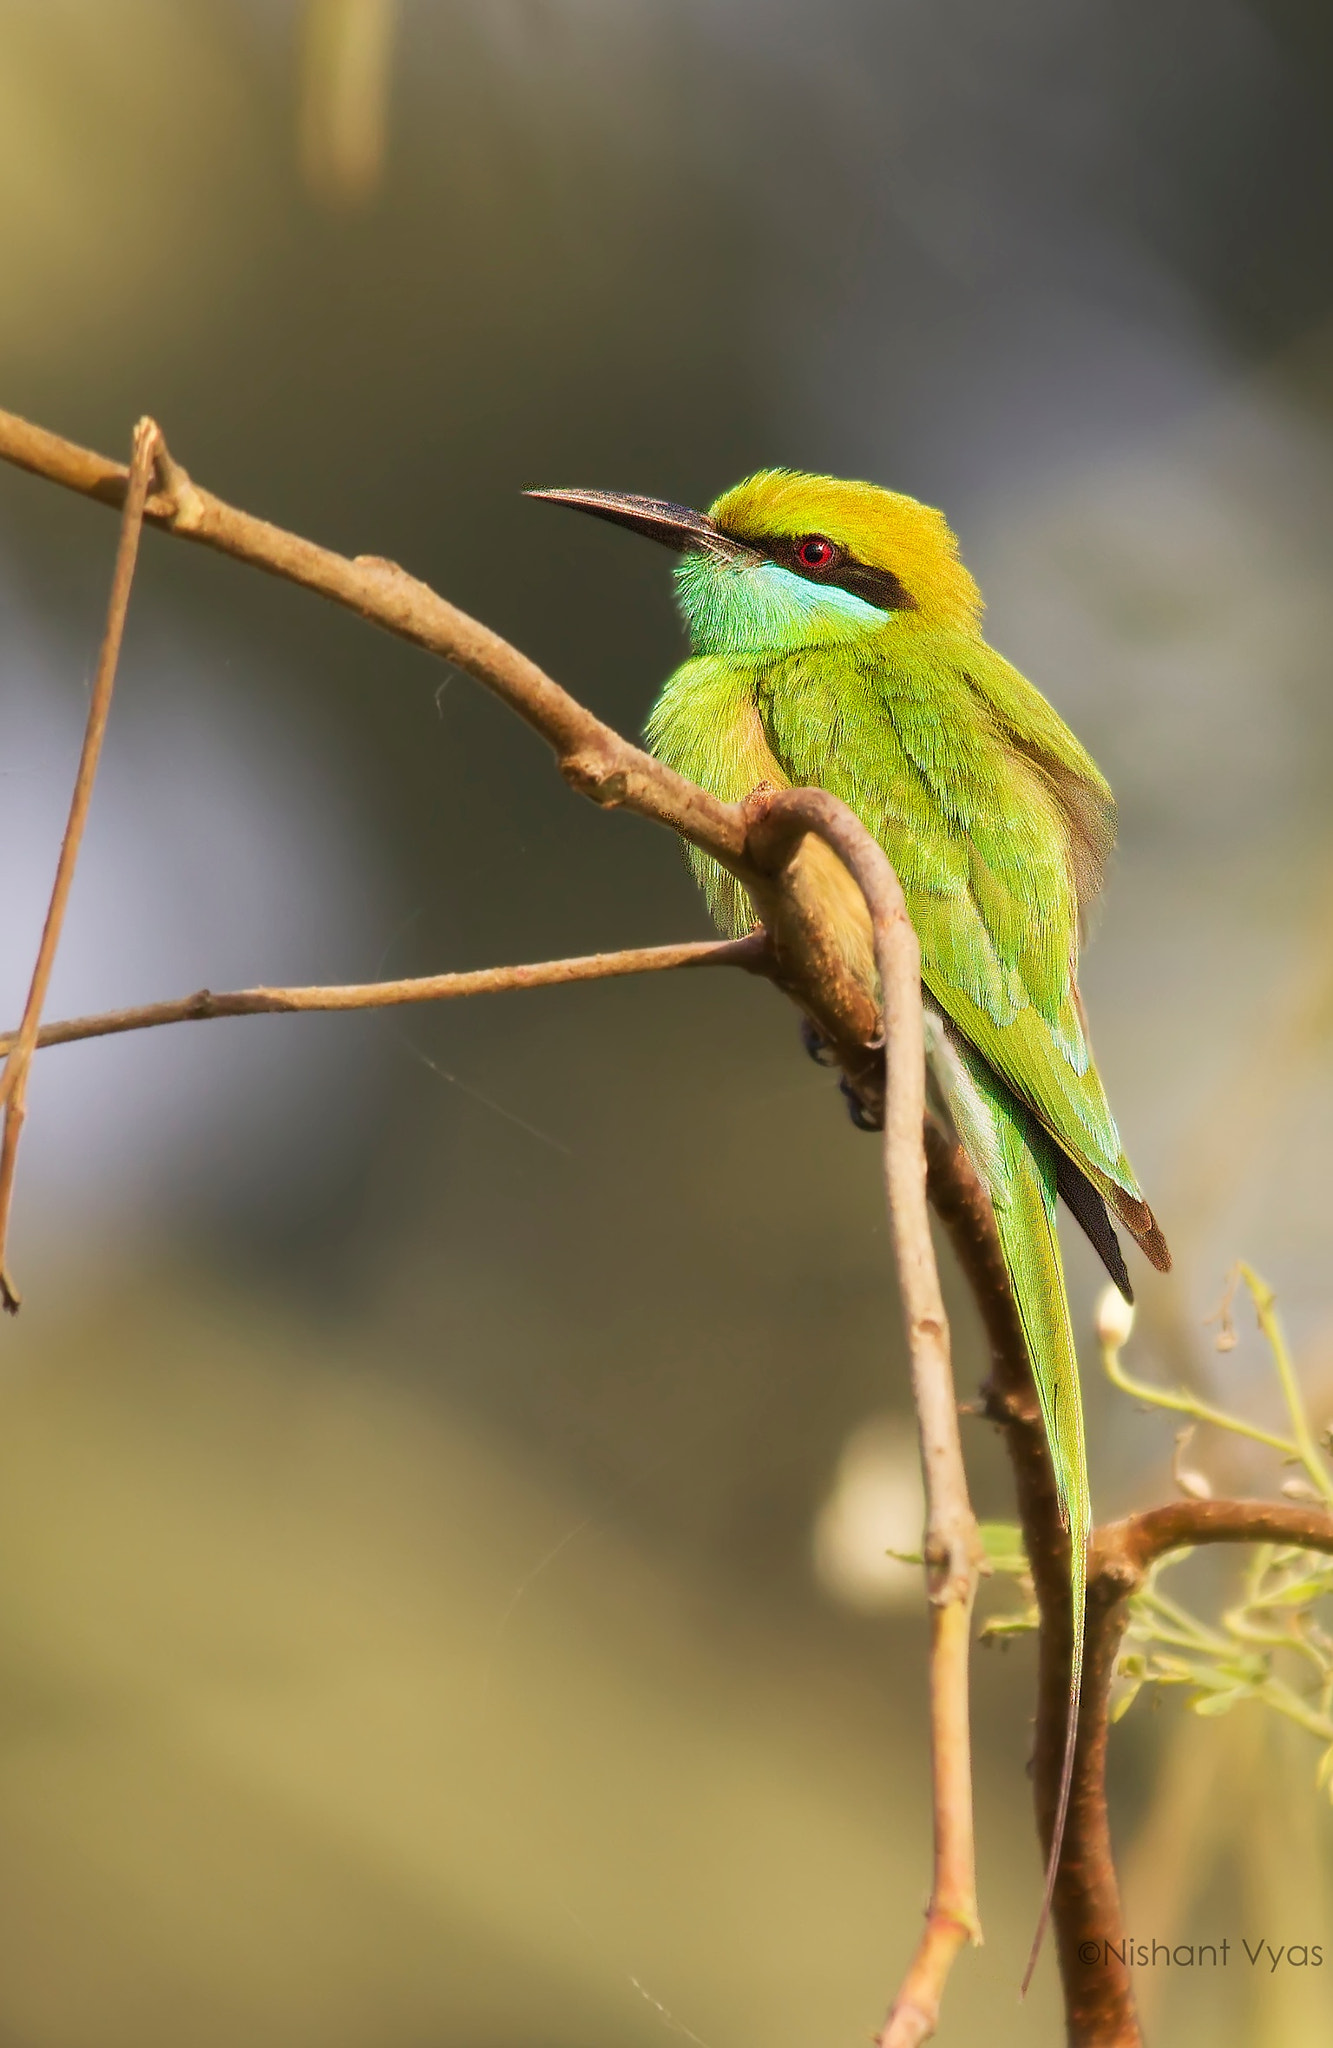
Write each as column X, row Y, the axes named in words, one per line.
column 879, row 587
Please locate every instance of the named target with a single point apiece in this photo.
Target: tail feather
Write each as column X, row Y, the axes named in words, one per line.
column 1141, row 1224
column 1087, row 1206
column 1020, row 1166
column 1026, row 1223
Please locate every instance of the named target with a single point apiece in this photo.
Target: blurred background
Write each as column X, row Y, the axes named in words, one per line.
column 446, row 1460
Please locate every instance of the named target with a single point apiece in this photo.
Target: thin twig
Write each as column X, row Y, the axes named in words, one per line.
column 1265, row 1306
column 14, row 1079
column 749, row 953
column 1182, row 1402
column 779, row 821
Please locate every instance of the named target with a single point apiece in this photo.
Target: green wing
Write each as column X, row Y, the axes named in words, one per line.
column 997, row 823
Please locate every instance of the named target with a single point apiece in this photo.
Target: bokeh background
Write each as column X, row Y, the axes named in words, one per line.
column 446, row 1459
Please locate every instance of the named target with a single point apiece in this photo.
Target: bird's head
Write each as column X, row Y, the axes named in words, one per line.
column 785, row 560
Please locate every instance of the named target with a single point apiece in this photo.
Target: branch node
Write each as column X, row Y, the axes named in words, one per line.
column 1116, row 1580
column 591, row 777
column 185, row 504
column 382, row 565
column 1004, row 1406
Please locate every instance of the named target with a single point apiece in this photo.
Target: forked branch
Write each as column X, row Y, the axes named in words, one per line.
column 757, row 846
column 591, row 756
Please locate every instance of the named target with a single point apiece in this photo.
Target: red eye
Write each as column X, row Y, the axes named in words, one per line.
column 815, row 552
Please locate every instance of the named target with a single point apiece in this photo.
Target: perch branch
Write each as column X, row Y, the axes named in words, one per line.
column 593, row 758
column 750, row 953
column 758, row 846
column 779, row 822
column 14, row 1079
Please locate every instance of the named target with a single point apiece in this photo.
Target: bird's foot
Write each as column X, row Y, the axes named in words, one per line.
column 816, row 1045
column 863, row 1118
column 821, row 1052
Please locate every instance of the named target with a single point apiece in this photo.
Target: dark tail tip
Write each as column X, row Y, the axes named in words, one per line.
column 1057, row 1836
column 1157, row 1249
column 1139, row 1220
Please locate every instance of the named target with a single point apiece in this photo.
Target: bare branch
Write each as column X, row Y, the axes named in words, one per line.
column 14, row 1080
column 779, row 821
column 593, row 758
column 750, row 953
column 1139, row 1540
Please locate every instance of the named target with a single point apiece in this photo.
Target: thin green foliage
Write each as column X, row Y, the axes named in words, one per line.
column 1274, row 1643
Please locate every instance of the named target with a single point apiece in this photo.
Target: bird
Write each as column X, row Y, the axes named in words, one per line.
column 836, row 643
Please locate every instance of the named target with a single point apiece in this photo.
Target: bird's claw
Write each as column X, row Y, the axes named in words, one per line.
column 816, row 1045
column 863, row 1118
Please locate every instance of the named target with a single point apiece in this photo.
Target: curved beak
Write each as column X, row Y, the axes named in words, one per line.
column 676, row 526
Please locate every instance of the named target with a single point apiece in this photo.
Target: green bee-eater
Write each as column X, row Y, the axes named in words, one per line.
column 837, row 643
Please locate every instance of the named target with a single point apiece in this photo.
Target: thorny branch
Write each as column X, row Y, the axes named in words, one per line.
column 757, row 842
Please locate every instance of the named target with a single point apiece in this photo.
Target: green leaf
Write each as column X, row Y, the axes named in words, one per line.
column 1004, row 1625
column 1003, row 1545
column 1300, row 1593
column 1214, row 1703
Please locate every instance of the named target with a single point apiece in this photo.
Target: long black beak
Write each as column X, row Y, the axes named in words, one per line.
column 676, row 526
